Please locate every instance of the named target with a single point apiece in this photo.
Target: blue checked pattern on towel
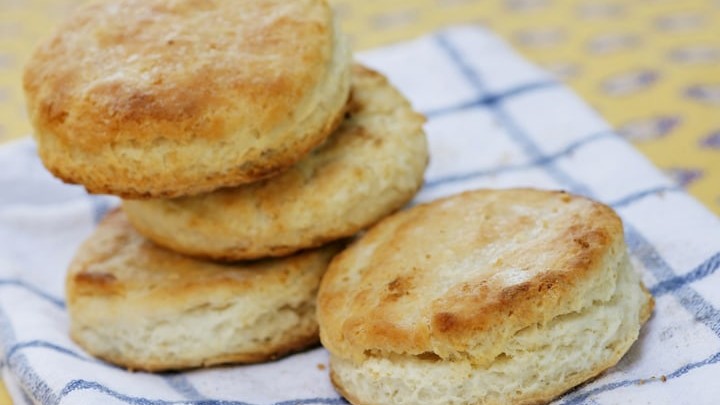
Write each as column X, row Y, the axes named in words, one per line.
column 494, row 121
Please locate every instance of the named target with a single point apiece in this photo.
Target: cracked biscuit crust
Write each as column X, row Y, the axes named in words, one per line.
column 151, row 98
column 140, row 306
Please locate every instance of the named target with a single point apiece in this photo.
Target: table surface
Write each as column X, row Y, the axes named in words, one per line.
column 650, row 67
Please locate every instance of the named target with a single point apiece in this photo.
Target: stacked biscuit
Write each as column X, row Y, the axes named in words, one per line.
column 246, row 146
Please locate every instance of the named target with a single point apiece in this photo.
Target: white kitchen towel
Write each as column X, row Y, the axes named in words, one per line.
column 494, row 121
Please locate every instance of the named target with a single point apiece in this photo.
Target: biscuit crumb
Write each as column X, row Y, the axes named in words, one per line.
column 320, row 366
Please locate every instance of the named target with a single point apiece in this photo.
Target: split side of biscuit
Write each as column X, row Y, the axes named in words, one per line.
column 142, row 307
column 490, row 296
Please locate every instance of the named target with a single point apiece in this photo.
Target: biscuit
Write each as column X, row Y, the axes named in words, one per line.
column 490, row 296
column 157, row 98
column 142, row 307
column 371, row 166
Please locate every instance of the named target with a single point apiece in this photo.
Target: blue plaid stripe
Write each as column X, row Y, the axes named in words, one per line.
column 582, row 398
column 626, row 201
column 40, row 390
column 537, row 162
column 81, row 385
column 707, row 268
column 18, row 283
column 491, row 99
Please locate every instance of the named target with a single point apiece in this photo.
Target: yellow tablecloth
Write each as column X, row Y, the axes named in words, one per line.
column 650, row 67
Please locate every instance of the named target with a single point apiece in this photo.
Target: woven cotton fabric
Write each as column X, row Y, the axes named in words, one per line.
column 494, row 121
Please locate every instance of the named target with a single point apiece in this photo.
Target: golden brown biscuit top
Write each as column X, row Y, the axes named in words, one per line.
column 118, row 263
column 371, row 164
column 454, row 278
column 133, row 70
